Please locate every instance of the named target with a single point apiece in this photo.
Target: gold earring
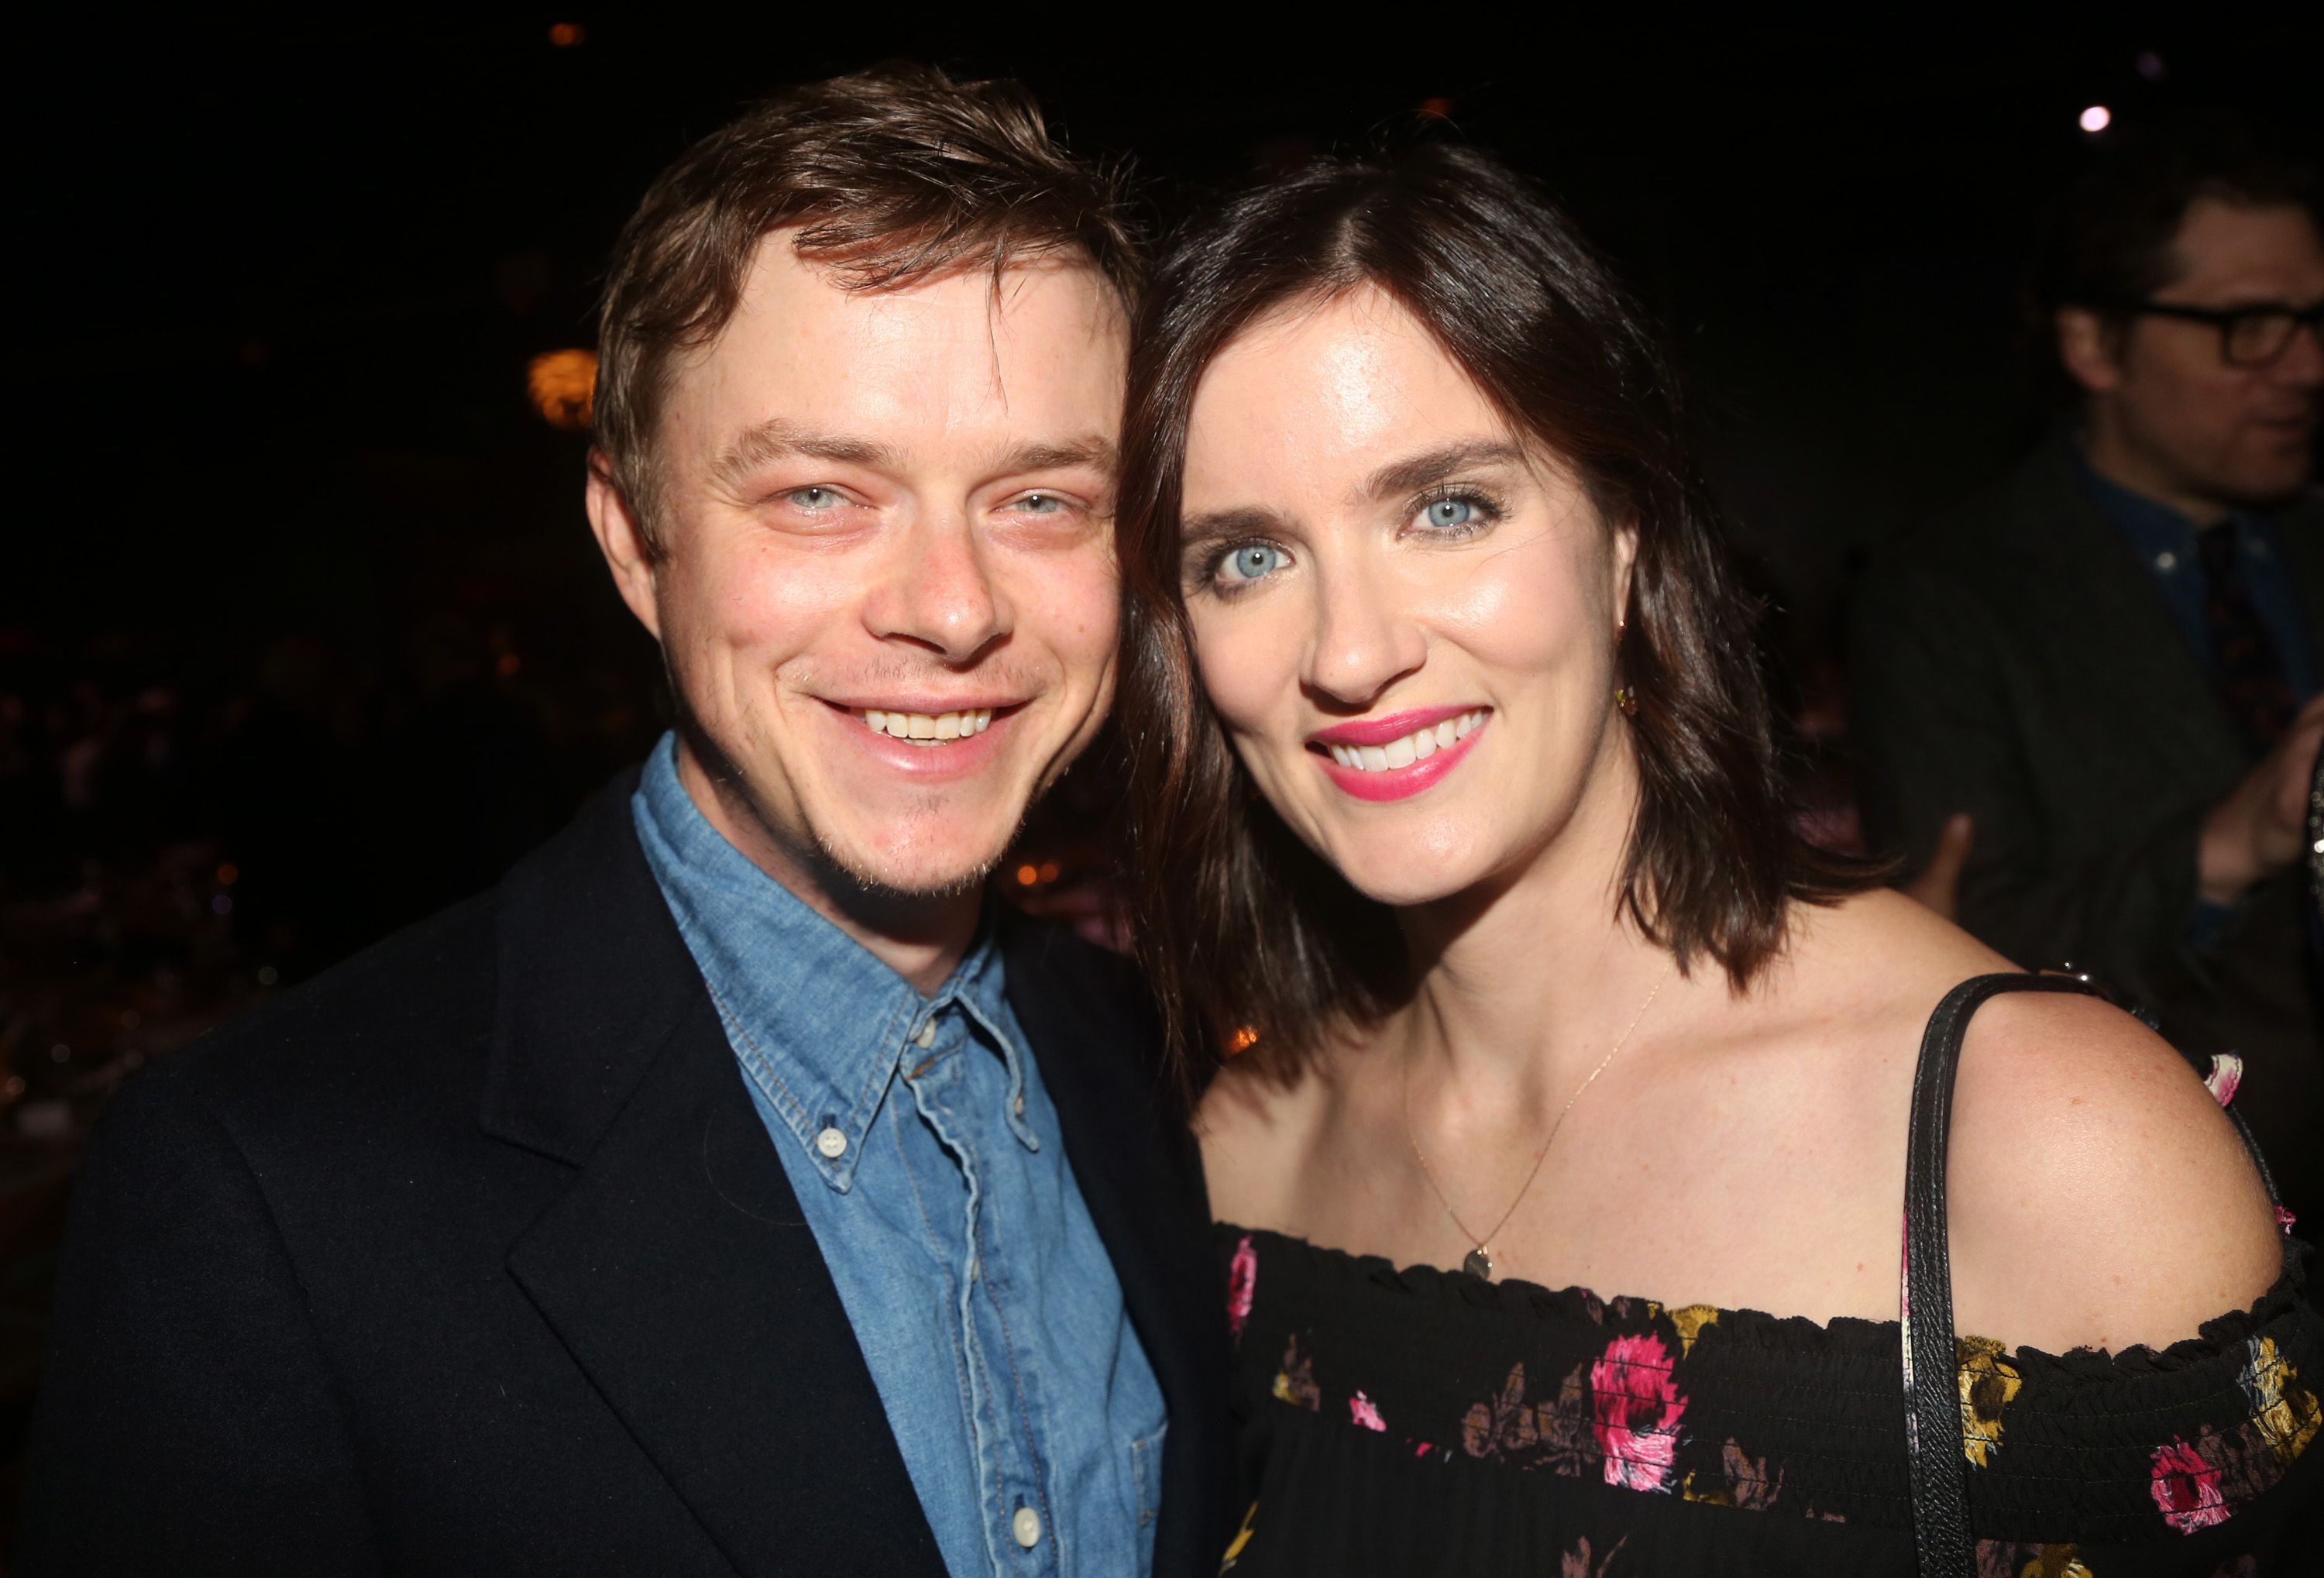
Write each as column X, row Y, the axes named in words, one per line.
column 1626, row 697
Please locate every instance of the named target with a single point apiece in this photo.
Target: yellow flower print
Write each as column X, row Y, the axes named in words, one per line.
column 1242, row 1539
column 1689, row 1322
column 2284, row 1411
column 1987, row 1385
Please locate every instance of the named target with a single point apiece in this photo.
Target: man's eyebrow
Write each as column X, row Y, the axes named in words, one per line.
column 780, row 439
column 1433, row 465
column 1087, row 449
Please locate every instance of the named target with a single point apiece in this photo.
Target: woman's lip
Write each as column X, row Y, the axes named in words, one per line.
column 1396, row 783
column 1396, row 726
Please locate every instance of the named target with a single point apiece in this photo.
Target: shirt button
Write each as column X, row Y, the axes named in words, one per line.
column 928, row 1036
column 1026, row 1527
column 831, row 1143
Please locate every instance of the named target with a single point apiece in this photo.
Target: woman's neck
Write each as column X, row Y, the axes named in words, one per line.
column 1526, row 980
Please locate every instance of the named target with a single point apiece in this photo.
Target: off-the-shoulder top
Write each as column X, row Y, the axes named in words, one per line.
column 1420, row 1421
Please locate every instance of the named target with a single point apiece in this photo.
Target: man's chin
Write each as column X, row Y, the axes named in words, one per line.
column 923, row 874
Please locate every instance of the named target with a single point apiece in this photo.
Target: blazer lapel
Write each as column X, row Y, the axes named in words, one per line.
column 1135, row 1165
column 677, row 1268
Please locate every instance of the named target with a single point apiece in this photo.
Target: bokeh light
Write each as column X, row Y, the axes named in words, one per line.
column 2097, row 118
column 562, row 382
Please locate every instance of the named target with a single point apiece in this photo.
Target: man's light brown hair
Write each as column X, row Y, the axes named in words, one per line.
column 888, row 177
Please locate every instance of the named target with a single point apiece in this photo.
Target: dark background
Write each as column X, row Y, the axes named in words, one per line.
column 301, row 631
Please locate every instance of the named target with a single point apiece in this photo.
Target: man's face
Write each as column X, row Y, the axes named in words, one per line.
column 888, row 599
column 2223, row 434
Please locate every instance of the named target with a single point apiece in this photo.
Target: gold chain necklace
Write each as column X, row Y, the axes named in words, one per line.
column 1479, row 1261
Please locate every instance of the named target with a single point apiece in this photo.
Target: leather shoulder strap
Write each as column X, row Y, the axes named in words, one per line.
column 1932, row 1425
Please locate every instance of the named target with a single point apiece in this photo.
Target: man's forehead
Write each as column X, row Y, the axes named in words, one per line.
column 2225, row 243
column 1054, row 288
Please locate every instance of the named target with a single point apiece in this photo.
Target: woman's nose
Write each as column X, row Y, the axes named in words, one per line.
column 1365, row 638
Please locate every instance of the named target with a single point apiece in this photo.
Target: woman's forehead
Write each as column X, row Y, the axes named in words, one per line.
column 1336, row 380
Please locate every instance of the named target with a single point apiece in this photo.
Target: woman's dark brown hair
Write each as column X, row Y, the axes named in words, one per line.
column 1251, row 938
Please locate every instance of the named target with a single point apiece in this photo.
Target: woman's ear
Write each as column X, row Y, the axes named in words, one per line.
column 1625, row 563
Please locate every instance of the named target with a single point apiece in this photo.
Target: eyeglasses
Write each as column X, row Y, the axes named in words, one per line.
column 2249, row 337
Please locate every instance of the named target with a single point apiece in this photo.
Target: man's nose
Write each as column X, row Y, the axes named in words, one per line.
column 1365, row 638
column 940, row 593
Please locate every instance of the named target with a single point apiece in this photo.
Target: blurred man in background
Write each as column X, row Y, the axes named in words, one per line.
column 2093, row 689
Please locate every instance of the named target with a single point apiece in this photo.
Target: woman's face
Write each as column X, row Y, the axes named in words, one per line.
column 1403, row 613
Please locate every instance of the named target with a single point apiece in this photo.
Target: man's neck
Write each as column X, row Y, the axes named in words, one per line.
column 2118, row 455
column 922, row 937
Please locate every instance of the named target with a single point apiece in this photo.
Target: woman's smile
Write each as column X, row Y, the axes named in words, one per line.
column 1397, row 756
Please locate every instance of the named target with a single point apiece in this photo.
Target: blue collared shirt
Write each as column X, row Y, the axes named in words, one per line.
column 2165, row 542
column 927, row 1161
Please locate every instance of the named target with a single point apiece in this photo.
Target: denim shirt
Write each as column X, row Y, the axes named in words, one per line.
column 927, row 1161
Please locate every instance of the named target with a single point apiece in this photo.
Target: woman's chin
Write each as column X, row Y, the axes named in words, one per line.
column 1401, row 884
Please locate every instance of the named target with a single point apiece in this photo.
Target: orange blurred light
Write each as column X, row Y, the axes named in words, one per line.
column 1241, row 1041
column 1026, row 876
column 1436, row 109
column 228, row 874
column 565, row 34
column 561, row 383
column 509, row 664
column 1048, row 871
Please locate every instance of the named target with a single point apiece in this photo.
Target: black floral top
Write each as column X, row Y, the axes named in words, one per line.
column 1424, row 1421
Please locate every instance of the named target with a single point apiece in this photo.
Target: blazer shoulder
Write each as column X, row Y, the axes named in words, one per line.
column 395, row 1018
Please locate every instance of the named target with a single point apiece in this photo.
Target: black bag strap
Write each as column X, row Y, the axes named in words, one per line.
column 1932, row 1422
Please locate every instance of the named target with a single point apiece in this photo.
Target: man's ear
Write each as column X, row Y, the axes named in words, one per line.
column 621, row 539
column 2091, row 348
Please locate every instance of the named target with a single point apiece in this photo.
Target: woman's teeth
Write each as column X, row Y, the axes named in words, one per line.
column 926, row 728
column 1418, row 746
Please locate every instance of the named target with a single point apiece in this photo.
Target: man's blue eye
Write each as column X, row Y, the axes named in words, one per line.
column 814, row 498
column 1450, row 513
column 1252, row 560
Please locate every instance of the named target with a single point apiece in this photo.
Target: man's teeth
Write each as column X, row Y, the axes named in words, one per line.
column 926, row 728
column 1418, row 746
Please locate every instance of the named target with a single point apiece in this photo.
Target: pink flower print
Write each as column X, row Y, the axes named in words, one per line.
column 1242, row 1285
column 1361, row 1410
column 2187, row 1487
column 2226, row 1074
column 1638, row 1407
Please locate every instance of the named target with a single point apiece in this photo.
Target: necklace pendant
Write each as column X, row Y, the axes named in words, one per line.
column 1477, row 1262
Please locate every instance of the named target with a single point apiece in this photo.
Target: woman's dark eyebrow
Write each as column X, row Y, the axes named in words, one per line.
column 1433, row 465
column 1246, row 521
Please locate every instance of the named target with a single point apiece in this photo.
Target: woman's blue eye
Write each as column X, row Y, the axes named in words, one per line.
column 1450, row 513
column 1252, row 560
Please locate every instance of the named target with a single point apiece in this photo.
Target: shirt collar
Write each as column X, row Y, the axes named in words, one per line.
column 819, row 1024
column 2152, row 528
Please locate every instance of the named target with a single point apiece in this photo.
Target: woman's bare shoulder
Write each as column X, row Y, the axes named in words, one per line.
column 2099, row 1197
